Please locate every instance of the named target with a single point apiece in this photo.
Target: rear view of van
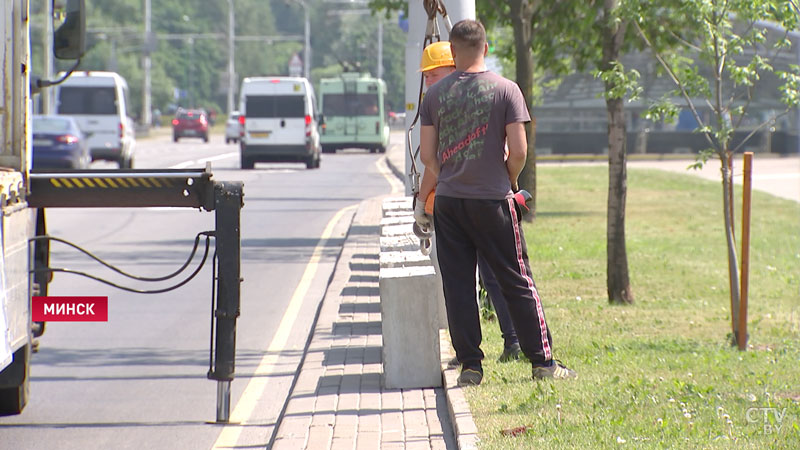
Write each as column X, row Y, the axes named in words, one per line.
column 98, row 102
column 279, row 121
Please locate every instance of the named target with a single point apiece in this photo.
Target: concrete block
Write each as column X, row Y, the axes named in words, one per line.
column 410, row 325
column 404, row 259
column 398, row 219
column 396, row 204
column 439, row 289
column 403, row 242
column 396, row 230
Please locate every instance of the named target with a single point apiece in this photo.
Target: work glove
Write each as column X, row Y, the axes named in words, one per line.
column 522, row 198
column 424, row 221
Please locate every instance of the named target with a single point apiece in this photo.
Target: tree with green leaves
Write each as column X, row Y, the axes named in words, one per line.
column 728, row 48
column 576, row 34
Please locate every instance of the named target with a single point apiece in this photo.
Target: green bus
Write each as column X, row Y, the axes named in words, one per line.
column 355, row 113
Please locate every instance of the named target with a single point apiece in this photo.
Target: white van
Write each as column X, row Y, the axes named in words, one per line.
column 99, row 103
column 279, row 117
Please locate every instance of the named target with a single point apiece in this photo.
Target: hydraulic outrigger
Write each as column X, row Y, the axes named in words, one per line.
column 172, row 188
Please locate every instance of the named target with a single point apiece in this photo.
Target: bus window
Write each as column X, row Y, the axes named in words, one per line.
column 349, row 105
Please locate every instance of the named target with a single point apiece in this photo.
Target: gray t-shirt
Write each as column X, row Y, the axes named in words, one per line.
column 470, row 111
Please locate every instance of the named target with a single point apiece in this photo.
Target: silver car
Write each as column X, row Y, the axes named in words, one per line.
column 233, row 128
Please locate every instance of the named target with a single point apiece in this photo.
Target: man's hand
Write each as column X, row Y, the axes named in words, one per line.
column 422, row 218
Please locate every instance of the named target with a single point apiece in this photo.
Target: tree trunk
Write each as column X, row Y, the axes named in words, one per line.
column 733, row 262
column 617, row 278
column 521, row 16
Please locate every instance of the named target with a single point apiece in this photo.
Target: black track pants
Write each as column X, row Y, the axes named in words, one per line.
column 491, row 227
column 498, row 301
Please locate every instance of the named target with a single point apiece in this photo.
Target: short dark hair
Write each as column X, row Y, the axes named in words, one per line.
column 468, row 34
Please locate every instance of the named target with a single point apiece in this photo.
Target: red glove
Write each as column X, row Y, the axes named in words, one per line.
column 522, row 197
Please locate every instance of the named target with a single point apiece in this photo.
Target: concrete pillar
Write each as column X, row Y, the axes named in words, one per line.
column 409, row 322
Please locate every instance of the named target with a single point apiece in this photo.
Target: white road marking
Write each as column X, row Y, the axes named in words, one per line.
column 258, row 383
column 218, row 157
column 202, row 161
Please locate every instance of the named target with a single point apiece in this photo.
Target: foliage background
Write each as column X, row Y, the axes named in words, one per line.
column 115, row 42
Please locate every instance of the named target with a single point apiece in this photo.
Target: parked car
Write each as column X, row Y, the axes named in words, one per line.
column 59, row 143
column 190, row 123
column 233, row 129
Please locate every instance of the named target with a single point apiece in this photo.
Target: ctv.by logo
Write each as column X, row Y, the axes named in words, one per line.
column 772, row 418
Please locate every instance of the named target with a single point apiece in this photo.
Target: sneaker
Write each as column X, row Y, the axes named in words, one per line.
column 453, row 363
column 556, row 371
column 470, row 376
column 510, row 353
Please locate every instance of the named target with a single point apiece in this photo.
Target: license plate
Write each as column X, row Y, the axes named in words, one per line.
column 42, row 142
column 260, row 134
column 191, row 132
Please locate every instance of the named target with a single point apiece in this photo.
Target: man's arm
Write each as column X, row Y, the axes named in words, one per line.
column 427, row 153
column 517, row 151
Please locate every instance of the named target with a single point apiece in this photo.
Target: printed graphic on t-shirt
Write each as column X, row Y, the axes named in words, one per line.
column 463, row 120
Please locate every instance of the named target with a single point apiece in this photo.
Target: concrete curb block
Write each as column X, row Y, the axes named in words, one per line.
column 464, row 428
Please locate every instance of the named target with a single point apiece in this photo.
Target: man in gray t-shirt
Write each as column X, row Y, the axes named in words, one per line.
column 467, row 118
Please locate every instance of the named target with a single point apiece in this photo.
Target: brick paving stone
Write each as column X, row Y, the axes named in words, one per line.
column 338, row 401
column 320, row 437
column 368, row 440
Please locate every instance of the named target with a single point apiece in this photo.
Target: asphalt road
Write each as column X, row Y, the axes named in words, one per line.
column 139, row 381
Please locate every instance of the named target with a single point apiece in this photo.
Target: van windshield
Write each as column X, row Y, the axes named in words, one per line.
column 87, row 100
column 282, row 106
column 350, row 105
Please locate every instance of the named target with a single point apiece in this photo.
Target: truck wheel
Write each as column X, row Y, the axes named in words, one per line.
column 15, row 380
column 247, row 163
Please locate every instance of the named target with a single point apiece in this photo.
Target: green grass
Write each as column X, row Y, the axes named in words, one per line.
column 659, row 373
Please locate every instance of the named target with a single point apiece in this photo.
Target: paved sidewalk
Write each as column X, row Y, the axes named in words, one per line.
column 338, row 401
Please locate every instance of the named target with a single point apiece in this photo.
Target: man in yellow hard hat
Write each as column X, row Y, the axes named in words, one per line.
column 437, row 63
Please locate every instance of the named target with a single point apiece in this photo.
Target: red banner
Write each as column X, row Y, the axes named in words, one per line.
column 70, row 309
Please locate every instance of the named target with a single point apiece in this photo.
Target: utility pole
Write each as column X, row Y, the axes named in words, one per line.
column 146, row 48
column 380, row 47
column 46, row 94
column 231, row 54
column 307, row 43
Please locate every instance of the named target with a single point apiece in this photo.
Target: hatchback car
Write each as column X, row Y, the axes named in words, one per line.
column 233, row 129
column 59, row 143
column 190, row 123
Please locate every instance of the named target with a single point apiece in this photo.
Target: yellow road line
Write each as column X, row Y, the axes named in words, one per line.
column 383, row 167
column 258, row 383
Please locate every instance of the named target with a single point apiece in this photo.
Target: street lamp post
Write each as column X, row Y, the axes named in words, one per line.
column 306, row 41
column 146, row 63
column 231, row 50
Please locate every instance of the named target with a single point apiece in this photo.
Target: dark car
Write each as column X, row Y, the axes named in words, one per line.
column 190, row 123
column 59, row 143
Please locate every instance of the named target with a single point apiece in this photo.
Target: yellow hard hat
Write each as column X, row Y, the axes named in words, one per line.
column 436, row 55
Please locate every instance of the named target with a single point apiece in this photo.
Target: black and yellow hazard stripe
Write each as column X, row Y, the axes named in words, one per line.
column 115, row 182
